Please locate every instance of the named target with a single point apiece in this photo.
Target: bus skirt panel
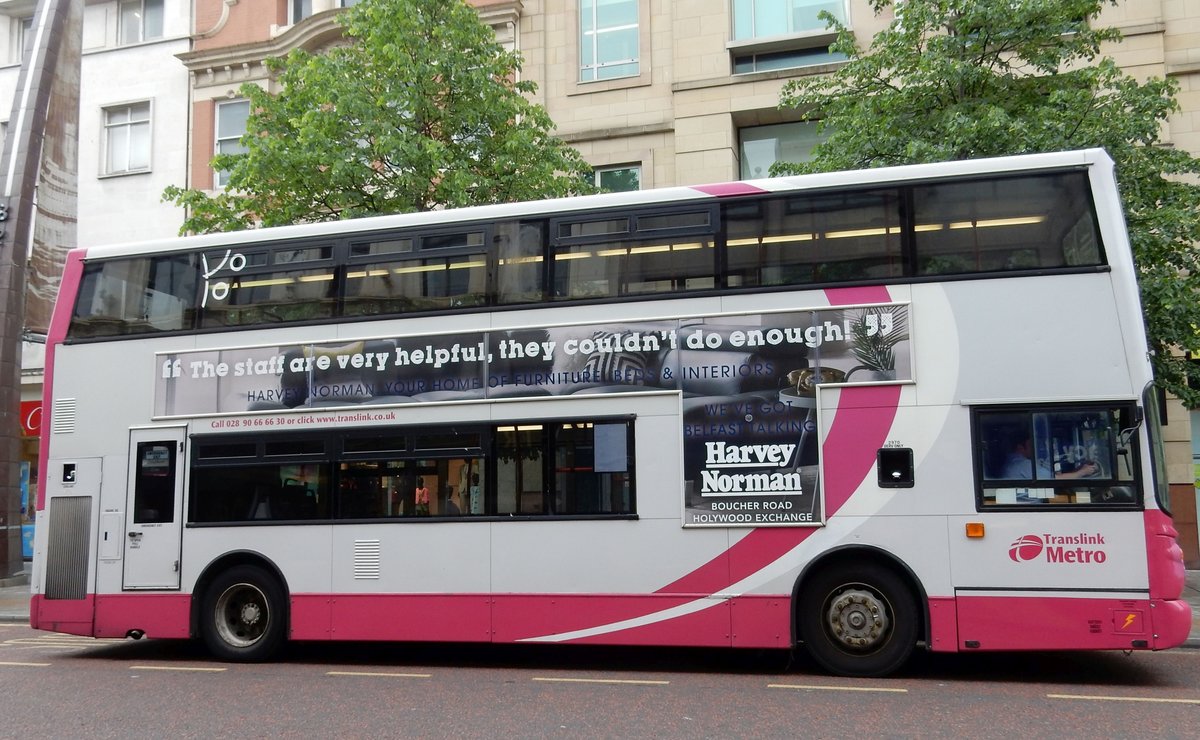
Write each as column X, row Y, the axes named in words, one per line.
column 1008, row 622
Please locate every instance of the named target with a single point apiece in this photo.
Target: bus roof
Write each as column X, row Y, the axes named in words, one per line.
column 639, row 198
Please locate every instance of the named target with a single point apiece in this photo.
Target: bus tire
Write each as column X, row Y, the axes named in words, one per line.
column 242, row 615
column 858, row 620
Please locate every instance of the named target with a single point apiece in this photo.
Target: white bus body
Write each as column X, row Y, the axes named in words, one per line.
column 747, row 460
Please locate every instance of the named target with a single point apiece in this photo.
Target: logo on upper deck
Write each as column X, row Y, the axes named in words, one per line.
column 1058, row 548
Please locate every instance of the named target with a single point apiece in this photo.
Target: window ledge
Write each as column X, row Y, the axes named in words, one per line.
column 127, row 173
column 17, row 8
column 748, row 77
column 1176, row 70
column 641, row 79
column 786, row 42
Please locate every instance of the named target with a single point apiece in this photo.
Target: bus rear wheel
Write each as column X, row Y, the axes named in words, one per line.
column 858, row 620
column 242, row 615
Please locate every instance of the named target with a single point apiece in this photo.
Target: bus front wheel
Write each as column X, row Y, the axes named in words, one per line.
column 858, row 620
column 242, row 615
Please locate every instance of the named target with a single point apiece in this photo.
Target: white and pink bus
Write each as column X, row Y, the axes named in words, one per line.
column 859, row 412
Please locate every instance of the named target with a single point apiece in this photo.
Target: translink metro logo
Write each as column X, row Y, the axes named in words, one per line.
column 1026, row 548
column 1053, row 548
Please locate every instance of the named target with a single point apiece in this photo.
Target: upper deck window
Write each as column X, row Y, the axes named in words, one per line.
column 815, row 238
column 254, row 295
column 519, row 252
column 1001, row 225
column 647, row 253
column 447, row 270
column 924, row 230
column 136, row 296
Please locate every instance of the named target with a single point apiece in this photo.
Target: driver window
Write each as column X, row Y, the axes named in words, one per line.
column 1068, row 455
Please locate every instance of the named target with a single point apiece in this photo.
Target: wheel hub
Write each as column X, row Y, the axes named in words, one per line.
column 251, row 613
column 242, row 615
column 858, row 619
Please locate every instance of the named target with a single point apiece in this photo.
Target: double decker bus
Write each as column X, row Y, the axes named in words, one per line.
column 859, row 412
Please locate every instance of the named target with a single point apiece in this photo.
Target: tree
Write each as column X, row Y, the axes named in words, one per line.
column 420, row 109
column 956, row 79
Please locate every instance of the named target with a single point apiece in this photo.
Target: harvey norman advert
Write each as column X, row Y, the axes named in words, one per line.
column 748, row 384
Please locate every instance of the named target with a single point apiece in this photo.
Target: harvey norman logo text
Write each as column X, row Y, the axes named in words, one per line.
column 775, row 479
column 1054, row 548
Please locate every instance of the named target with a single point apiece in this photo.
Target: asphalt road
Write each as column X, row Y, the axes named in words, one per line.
column 63, row 686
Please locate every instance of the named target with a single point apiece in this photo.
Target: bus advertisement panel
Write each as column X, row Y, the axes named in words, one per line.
column 748, row 386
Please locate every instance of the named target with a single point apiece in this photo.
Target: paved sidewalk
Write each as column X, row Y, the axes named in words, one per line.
column 14, row 599
column 14, row 603
column 1191, row 592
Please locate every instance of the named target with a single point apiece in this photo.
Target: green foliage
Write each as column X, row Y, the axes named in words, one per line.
column 957, row 79
column 420, row 109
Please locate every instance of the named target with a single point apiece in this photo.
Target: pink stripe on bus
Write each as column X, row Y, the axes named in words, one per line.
column 865, row 415
column 728, row 188
column 966, row 623
column 857, row 437
column 759, row 548
column 862, row 294
column 60, row 321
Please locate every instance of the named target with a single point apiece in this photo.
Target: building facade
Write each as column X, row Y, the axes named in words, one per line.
column 652, row 92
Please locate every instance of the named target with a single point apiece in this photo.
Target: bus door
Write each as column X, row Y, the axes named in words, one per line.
column 154, row 503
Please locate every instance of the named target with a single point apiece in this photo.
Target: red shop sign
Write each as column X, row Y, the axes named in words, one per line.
column 31, row 418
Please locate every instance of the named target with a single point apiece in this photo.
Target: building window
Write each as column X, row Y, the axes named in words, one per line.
column 621, row 179
column 755, row 19
column 231, row 124
column 20, row 38
column 299, row 10
column 608, row 39
column 127, row 138
column 140, row 20
column 783, row 34
column 767, row 61
column 763, row 146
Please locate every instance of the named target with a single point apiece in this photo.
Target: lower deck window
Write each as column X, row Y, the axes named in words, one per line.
column 575, row 468
column 1064, row 454
column 537, row 469
column 245, row 492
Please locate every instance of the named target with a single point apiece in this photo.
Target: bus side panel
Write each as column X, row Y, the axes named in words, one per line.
column 158, row 615
column 1054, row 623
column 1164, row 556
column 943, row 624
column 762, row 622
column 421, row 617
column 1171, row 615
column 1172, row 622
column 618, row 619
column 69, row 616
column 311, row 617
